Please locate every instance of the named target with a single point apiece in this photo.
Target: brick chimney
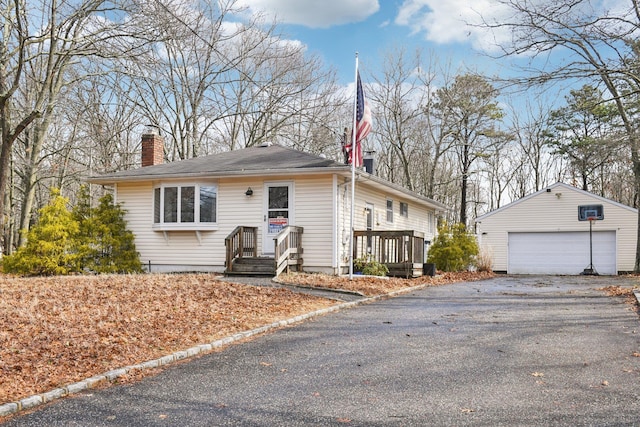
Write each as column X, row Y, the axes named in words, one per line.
column 152, row 149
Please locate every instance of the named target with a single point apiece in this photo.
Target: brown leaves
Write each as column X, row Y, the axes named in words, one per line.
column 59, row 330
column 617, row 291
column 620, row 291
column 372, row 286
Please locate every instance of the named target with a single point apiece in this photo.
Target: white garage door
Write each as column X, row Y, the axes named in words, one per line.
column 561, row 252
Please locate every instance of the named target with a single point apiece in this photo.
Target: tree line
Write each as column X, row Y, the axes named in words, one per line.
column 80, row 80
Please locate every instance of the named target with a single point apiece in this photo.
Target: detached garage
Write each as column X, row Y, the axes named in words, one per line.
column 548, row 232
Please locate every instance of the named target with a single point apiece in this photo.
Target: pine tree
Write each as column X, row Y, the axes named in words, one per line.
column 85, row 240
column 51, row 243
column 105, row 244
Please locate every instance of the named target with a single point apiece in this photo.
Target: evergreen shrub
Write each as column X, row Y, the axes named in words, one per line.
column 85, row 240
column 453, row 249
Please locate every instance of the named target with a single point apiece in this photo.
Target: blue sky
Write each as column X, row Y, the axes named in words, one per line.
column 337, row 29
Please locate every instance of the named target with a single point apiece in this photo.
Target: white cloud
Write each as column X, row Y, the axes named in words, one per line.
column 454, row 21
column 314, row 13
column 459, row 21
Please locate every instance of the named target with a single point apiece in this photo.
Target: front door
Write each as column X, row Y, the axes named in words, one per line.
column 278, row 212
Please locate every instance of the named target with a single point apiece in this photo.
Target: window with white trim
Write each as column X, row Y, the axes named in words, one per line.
column 404, row 209
column 389, row 210
column 187, row 206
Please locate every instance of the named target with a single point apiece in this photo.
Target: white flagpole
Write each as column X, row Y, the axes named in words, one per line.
column 353, row 171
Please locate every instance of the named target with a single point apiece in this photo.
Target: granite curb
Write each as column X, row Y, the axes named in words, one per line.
column 201, row 349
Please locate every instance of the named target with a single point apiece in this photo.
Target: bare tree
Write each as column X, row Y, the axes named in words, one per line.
column 214, row 85
column 277, row 94
column 42, row 40
column 536, row 164
column 499, row 165
column 593, row 44
column 178, row 78
column 398, row 96
column 438, row 177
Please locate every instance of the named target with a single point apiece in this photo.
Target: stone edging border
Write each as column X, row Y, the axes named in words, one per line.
column 202, row 349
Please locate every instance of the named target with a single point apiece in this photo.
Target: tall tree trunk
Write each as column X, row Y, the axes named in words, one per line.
column 636, row 175
column 465, row 182
column 463, row 199
column 29, row 185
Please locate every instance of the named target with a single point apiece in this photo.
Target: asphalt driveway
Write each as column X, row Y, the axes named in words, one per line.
column 511, row 351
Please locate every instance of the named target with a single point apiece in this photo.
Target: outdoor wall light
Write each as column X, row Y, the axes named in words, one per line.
column 249, row 192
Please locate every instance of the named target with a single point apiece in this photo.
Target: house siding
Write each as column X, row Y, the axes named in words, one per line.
column 314, row 212
column 188, row 250
column 420, row 218
column 548, row 212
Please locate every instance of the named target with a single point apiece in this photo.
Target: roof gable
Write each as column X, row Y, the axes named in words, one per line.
column 551, row 188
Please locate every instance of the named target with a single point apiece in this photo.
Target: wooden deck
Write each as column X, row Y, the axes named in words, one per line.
column 401, row 251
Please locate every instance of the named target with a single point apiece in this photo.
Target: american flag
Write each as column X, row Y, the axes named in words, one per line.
column 363, row 124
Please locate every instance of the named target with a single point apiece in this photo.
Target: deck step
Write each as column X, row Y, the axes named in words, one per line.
column 259, row 266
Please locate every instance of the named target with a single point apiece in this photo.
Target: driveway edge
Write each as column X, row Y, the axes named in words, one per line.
column 11, row 408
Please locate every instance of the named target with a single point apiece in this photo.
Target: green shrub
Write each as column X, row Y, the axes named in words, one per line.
column 369, row 266
column 453, row 249
column 105, row 245
column 51, row 243
column 85, row 240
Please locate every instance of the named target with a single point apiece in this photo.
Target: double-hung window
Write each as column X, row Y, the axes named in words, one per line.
column 389, row 210
column 186, row 206
column 404, row 210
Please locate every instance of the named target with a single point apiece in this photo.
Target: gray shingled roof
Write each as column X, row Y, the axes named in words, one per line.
column 265, row 159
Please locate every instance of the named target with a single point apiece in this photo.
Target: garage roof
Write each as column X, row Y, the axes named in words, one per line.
column 551, row 188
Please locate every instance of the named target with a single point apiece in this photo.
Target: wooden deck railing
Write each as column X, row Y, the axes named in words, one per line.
column 288, row 249
column 401, row 251
column 242, row 242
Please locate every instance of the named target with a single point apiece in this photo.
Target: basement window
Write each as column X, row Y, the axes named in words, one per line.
column 185, row 207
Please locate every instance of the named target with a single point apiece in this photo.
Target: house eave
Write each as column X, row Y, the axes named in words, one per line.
column 403, row 192
column 344, row 171
column 112, row 179
column 548, row 189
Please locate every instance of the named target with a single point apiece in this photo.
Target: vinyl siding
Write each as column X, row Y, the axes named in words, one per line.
column 420, row 218
column 162, row 250
column 546, row 212
column 314, row 212
column 184, row 250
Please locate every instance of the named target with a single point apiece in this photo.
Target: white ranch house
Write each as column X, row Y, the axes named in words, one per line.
column 215, row 212
column 543, row 234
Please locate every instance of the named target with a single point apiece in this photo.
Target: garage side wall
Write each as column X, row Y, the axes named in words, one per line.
column 556, row 211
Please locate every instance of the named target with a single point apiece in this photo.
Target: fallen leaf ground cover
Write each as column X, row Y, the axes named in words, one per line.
column 58, row 330
column 372, row 286
column 621, row 291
